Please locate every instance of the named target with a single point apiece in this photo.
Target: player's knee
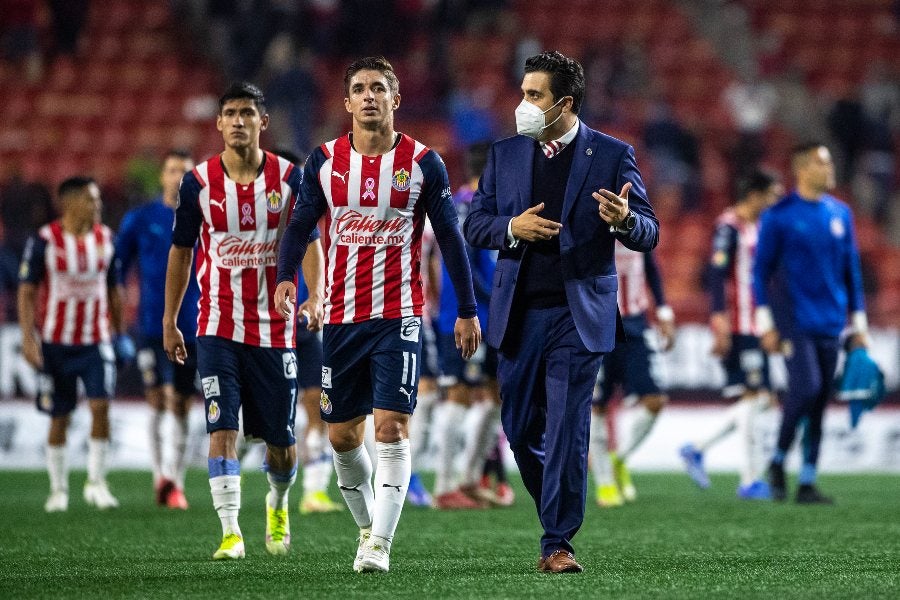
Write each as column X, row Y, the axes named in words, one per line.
column 655, row 402
column 390, row 431
column 344, row 440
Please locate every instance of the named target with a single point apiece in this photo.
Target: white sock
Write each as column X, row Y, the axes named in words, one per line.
column 279, row 488
column 447, row 439
column 226, row 495
column 485, row 431
column 640, row 429
column 156, row 419
column 726, row 427
column 369, row 437
column 179, row 447
column 57, row 469
column 96, row 467
column 354, row 476
column 391, row 483
column 419, row 426
column 318, row 464
column 744, row 426
column 601, row 466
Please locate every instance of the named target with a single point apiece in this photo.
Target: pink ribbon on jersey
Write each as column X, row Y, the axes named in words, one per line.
column 247, row 218
column 370, row 189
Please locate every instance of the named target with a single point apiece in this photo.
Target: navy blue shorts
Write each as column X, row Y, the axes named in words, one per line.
column 746, row 367
column 373, row 364
column 472, row 372
column 259, row 382
column 309, row 358
column 630, row 365
column 94, row 365
column 156, row 368
column 431, row 364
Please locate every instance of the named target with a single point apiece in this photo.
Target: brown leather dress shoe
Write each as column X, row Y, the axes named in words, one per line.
column 559, row 561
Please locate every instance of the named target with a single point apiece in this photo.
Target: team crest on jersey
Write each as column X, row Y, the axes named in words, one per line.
column 837, row 228
column 274, row 202
column 214, row 413
column 325, row 404
column 401, row 180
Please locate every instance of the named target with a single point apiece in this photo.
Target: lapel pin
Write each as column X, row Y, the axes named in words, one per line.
column 588, row 151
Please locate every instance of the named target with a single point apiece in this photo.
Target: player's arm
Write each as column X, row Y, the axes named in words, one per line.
column 313, row 270
column 185, row 232
column 665, row 317
column 724, row 246
column 436, row 198
column 768, row 249
column 855, row 293
column 309, row 205
column 31, row 273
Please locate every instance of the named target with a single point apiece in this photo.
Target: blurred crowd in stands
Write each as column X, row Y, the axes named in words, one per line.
column 703, row 89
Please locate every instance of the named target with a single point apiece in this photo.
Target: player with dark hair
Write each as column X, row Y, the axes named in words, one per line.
column 807, row 250
column 144, row 237
column 374, row 186
column 73, row 258
column 236, row 205
column 730, row 284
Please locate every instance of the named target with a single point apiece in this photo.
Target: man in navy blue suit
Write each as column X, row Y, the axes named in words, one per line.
column 544, row 203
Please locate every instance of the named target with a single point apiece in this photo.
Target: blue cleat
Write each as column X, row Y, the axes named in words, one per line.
column 758, row 490
column 693, row 462
column 417, row 495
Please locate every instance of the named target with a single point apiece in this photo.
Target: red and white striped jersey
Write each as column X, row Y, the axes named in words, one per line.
column 76, row 270
column 239, row 228
column 638, row 278
column 734, row 250
column 373, row 228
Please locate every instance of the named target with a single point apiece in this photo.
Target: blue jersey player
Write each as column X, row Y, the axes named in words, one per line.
column 807, row 248
column 144, row 238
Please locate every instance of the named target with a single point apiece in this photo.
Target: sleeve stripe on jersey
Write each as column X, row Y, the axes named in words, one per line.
column 421, row 154
column 325, row 151
column 200, row 179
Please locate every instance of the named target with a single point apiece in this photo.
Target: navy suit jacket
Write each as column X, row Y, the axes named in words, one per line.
column 586, row 243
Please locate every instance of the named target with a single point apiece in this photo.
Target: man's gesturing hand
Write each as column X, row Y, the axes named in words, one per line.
column 530, row 227
column 613, row 208
column 468, row 336
column 285, row 298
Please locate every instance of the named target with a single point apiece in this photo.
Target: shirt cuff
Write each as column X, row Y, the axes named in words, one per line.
column 764, row 321
column 511, row 240
column 859, row 322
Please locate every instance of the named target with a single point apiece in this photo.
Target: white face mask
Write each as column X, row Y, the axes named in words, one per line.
column 531, row 120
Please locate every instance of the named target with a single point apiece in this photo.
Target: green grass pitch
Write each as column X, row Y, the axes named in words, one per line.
column 675, row 542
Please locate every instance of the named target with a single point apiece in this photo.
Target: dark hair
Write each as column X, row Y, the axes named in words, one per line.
column 804, row 147
column 176, row 153
column 372, row 63
column 240, row 90
column 476, row 158
column 757, row 180
column 566, row 75
column 73, row 184
column 288, row 155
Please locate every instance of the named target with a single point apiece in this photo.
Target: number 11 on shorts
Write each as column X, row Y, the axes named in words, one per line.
column 409, row 369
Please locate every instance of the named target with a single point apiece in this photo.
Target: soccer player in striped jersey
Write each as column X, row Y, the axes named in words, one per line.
column 73, row 258
column 374, row 187
column 236, row 204
column 145, row 236
column 634, row 365
column 730, row 283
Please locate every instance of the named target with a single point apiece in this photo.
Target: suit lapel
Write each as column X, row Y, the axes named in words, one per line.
column 526, row 193
column 585, row 150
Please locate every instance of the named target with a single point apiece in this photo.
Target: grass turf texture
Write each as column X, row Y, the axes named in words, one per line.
column 675, row 542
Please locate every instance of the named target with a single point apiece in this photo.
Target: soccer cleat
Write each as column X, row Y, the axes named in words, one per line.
column 318, row 502
column 163, row 489
column 758, row 490
column 97, row 494
column 375, row 557
column 777, row 482
column 278, row 530
column 416, row 494
column 623, row 478
column 810, row 494
column 505, row 494
column 232, row 547
column 693, row 463
column 360, row 549
column 176, row 499
column 608, row 496
column 456, row 500
column 57, row 502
